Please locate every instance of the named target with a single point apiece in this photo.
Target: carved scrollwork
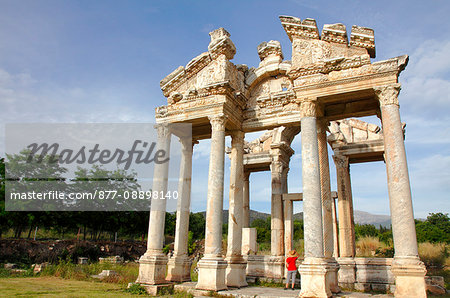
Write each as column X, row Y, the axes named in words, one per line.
column 388, row 95
column 341, row 161
column 218, row 122
column 308, row 108
column 163, row 131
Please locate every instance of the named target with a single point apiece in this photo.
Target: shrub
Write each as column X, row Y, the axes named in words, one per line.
column 368, row 246
column 299, row 246
column 66, row 269
column 433, row 254
column 264, row 248
column 136, row 289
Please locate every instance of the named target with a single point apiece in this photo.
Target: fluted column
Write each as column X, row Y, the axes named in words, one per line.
column 327, row 215
column 235, row 273
column 277, row 222
column 288, row 226
column 246, row 204
column 179, row 264
column 313, row 270
column 345, row 207
column 152, row 265
column 335, row 230
column 325, row 188
column 288, row 215
column 211, row 275
column 407, row 268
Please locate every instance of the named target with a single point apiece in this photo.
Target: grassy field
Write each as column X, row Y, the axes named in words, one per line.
column 58, row 287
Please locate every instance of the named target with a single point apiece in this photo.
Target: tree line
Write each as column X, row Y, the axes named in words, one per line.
column 95, row 225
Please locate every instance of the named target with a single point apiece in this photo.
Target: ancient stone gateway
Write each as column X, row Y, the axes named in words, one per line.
column 329, row 78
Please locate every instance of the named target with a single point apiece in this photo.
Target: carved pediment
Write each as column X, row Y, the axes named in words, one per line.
column 206, row 69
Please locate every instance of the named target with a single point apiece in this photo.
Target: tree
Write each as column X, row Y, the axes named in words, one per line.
column 263, row 231
column 3, row 215
column 436, row 228
column 298, row 229
column 197, row 224
column 366, row 230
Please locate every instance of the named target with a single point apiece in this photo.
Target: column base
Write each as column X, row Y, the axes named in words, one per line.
column 409, row 275
column 179, row 269
column 347, row 272
column 313, row 273
column 235, row 274
column 211, row 274
column 332, row 275
column 152, row 269
column 274, row 267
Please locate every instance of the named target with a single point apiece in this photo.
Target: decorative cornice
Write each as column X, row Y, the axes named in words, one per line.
column 336, row 33
column 363, row 37
column 221, row 44
column 295, row 27
column 328, row 66
column 276, row 100
column 272, row 47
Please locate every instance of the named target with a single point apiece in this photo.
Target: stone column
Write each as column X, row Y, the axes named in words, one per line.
column 276, row 260
column 347, row 272
column 179, row 266
column 277, row 223
column 345, row 207
column 152, row 265
column 246, row 204
column 288, row 226
column 407, row 268
column 327, row 216
column 313, row 269
column 235, row 273
column 211, row 273
column 335, row 230
column 288, row 215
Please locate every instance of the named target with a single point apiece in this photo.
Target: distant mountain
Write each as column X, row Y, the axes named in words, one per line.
column 361, row 217
column 253, row 215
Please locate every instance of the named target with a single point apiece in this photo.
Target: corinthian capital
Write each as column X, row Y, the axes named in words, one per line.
column 163, row 131
column 308, row 107
column 218, row 122
column 341, row 161
column 187, row 144
column 322, row 125
column 388, row 95
column 237, row 138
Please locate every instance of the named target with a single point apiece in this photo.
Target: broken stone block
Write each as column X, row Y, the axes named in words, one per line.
column 111, row 260
column 105, row 273
column 37, row 268
column 82, row 260
column 10, row 266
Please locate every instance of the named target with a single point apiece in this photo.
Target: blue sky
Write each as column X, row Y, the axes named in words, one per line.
column 101, row 61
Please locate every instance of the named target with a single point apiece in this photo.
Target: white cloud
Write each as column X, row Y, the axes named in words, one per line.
column 24, row 98
column 426, row 82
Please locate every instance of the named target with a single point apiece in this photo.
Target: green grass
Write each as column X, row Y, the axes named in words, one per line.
column 264, row 283
column 67, row 270
column 57, row 287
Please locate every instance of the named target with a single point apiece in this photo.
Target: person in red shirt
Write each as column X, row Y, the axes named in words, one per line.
column 291, row 267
